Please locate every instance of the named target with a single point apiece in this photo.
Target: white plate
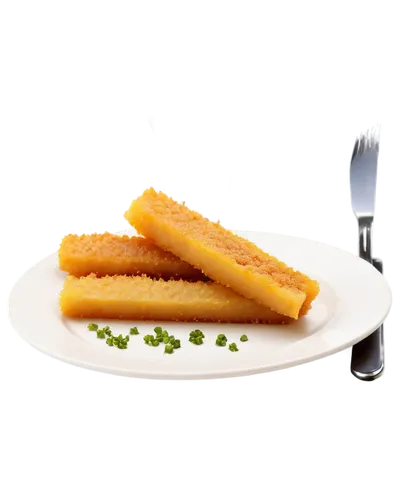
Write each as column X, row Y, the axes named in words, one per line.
column 353, row 302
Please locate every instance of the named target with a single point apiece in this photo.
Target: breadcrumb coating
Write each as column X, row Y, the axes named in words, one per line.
column 144, row 298
column 223, row 256
column 109, row 254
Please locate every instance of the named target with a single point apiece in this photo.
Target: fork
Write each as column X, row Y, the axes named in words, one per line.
column 367, row 361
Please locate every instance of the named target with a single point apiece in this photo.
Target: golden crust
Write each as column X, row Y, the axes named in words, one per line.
column 223, row 256
column 143, row 298
column 109, row 254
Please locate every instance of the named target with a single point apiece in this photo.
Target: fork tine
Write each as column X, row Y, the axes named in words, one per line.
column 369, row 134
column 356, row 148
column 362, row 143
column 375, row 138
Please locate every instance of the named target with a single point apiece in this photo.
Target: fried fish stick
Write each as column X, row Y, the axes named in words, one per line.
column 108, row 254
column 143, row 298
column 223, row 256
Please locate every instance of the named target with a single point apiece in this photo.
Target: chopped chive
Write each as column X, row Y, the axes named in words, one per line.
column 158, row 329
column 233, row 347
column 109, row 341
column 176, row 344
column 155, row 343
column 169, row 349
column 220, row 342
column 134, row 331
column 101, row 334
column 221, row 336
column 196, row 334
column 243, row 338
column 126, row 338
column 92, row 327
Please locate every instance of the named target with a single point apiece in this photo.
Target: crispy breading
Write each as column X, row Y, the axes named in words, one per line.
column 222, row 255
column 143, row 298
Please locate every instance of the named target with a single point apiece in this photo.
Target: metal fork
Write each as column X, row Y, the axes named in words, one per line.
column 367, row 360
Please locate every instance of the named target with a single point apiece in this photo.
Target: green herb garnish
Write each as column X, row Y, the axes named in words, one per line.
column 148, row 339
column 101, row 334
column 134, row 331
column 120, row 341
column 233, row 347
column 196, row 337
column 243, row 338
column 197, row 333
column 169, row 349
column 107, row 331
column 221, row 340
column 161, row 335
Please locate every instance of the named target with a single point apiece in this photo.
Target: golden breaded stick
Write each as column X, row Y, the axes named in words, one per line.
column 143, row 298
column 108, row 254
column 222, row 255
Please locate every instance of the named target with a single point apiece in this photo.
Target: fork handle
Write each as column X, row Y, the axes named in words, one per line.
column 367, row 357
column 365, row 238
